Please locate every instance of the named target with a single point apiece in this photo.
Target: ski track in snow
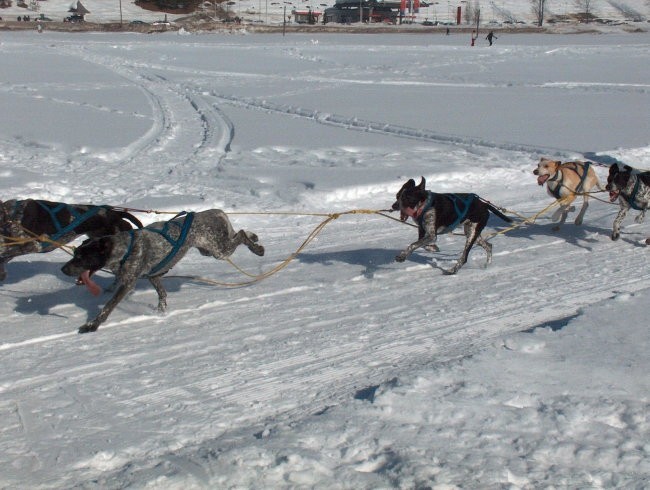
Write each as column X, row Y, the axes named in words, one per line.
column 315, row 363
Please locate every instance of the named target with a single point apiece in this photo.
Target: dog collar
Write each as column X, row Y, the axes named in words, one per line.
column 557, row 175
column 419, row 209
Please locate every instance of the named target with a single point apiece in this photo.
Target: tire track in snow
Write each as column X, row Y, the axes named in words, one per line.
column 185, row 125
column 385, row 128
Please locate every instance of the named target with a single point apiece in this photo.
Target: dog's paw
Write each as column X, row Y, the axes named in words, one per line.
column 615, row 236
column 400, row 258
column 88, row 327
column 639, row 219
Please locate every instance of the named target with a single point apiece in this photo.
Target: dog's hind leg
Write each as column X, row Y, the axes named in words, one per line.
column 250, row 240
column 640, row 217
column 487, row 246
column 246, row 238
column 226, row 245
column 156, row 282
column 583, row 210
column 472, row 233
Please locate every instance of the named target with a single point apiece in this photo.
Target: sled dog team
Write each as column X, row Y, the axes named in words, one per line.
column 34, row 226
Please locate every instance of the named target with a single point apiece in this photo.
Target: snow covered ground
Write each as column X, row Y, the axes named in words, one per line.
column 272, row 11
column 345, row 369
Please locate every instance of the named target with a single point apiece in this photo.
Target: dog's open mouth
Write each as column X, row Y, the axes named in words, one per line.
column 613, row 196
column 541, row 179
column 92, row 286
column 403, row 216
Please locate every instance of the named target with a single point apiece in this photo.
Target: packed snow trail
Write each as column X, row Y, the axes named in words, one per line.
column 320, row 351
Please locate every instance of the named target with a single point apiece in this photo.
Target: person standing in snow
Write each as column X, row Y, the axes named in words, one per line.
column 491, row 36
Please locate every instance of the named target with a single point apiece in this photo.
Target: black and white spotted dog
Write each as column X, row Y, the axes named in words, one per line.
column 441, row 213
column 632, row 189
column 37, row 226
column 152, row 251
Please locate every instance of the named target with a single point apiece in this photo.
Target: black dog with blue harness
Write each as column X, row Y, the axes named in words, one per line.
column 38, row 226
column 437, row 213
column 631, row 188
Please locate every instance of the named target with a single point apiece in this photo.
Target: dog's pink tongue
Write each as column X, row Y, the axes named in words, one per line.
column 541, row 179
column 92, row 286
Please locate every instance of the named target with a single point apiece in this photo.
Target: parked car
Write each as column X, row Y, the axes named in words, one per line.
column 74, row 18
column 139, row 22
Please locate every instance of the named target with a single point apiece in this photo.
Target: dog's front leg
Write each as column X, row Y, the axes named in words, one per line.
column 119, row 295
column 583, row 210
column 640, row 217
column 156, row 282
column 616, row 232
column 563, row 211
column 428, row 240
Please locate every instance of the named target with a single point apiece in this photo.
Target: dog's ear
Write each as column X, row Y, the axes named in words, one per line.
column 422, row 184
column 100, row 247
column 409, row 183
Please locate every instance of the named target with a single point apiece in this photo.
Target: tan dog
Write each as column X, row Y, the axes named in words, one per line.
column 566, row 181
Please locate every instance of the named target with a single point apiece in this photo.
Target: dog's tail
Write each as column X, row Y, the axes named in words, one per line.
column 497, row 211
column 129, row 217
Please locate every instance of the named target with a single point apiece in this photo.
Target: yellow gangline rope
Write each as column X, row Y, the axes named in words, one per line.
column 525, row 220
column 256, row 278
column 329, row 217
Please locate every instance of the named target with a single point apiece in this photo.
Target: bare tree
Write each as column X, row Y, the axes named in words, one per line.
column 538, row 11
column 585, row 7
column 472, row 12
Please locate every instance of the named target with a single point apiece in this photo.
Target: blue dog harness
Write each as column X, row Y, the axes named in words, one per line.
column 61, row 230
column 461, row 207
column 176, row 243
column 632, row 199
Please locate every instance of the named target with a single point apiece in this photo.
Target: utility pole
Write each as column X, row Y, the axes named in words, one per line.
column 120, row 13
